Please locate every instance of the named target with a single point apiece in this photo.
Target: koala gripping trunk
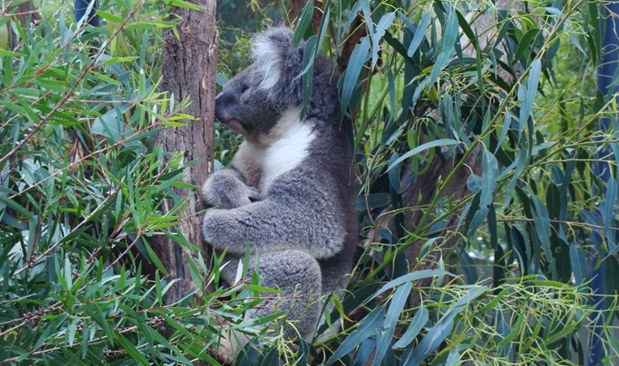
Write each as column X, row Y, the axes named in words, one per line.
column 189, row 74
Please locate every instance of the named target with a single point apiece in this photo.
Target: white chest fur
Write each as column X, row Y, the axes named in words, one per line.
column 283, row 149
column 289, row 142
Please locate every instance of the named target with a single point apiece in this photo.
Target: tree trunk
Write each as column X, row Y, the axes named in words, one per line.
column 189, row 74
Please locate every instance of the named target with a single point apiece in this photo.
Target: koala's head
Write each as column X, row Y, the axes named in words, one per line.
column 253, row 101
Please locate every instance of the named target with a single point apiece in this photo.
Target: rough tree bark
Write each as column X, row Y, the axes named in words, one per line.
column 189, row 74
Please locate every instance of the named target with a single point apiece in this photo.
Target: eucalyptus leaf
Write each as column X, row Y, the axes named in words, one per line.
column 368, row 327
column 417, row 323
column 420, row 33
column 526, row 95
column 422, row 148
column 351, row 76
column 446, row 50
column 437, row 334
column 391, row 319
column 384, row 23
column 488, row 186
column 304, row 22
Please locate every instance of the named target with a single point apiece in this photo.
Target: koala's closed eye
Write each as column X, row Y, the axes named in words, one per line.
column 244, row 92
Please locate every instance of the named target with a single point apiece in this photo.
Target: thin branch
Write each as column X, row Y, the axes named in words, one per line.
column 32, row 262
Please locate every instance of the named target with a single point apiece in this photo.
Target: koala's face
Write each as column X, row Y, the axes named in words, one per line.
column 251, row 102
column 244, row 106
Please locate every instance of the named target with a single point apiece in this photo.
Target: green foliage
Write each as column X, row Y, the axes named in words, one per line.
column 82, row 186
column 503, row 101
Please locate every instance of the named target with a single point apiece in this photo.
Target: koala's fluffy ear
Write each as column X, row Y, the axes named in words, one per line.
column 269, row 50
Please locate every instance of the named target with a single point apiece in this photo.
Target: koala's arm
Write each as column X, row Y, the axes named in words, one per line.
column 268, row 226
column 234, row 186
column 226, row 189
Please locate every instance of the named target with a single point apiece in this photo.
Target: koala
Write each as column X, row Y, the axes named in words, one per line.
column 286, row 200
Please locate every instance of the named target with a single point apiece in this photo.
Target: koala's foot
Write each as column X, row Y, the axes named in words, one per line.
column 297, row 275
column 225, row 189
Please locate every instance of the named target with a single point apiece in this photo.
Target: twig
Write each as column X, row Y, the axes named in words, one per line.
column 33, row 262
column 122, row 255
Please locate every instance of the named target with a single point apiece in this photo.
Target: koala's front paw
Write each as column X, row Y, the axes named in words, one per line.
column 225, row 190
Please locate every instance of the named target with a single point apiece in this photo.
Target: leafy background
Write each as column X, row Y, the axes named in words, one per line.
column 486, row 173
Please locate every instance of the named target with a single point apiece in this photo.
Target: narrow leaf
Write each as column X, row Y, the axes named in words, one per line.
column 410, row 277
column 490, row 170
column 527, row 96
column 419, row 320
column 420, row 33
column 367, row 327
column 384, row 23
column 421, row 148
column 542, row 228
column 437, row 334
column 357, row 59
column 391, row 320
column 304, row 22
column 450, row 36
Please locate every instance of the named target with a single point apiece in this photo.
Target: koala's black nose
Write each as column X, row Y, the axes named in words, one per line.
column 223, row 101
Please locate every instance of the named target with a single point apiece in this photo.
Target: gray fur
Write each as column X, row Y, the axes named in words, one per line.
column 300, row 225
column 226, row 190
column 298, row 277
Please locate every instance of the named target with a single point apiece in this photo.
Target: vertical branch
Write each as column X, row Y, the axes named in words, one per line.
column 190, row 58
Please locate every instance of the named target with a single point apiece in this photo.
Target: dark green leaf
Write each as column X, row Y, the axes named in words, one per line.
column 368, row 327
column 420, row 33
column 384, row 23
column 419, row 321
column 391, row 320
column 526, row 95
column 304, row 22
column 351, row 76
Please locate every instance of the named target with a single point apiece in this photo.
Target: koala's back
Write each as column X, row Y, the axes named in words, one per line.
column 335, row 155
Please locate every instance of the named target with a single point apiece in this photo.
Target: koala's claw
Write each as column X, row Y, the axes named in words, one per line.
column 253, row 194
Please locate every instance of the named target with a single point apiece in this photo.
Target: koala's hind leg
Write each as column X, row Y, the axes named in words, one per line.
column 297, row 276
